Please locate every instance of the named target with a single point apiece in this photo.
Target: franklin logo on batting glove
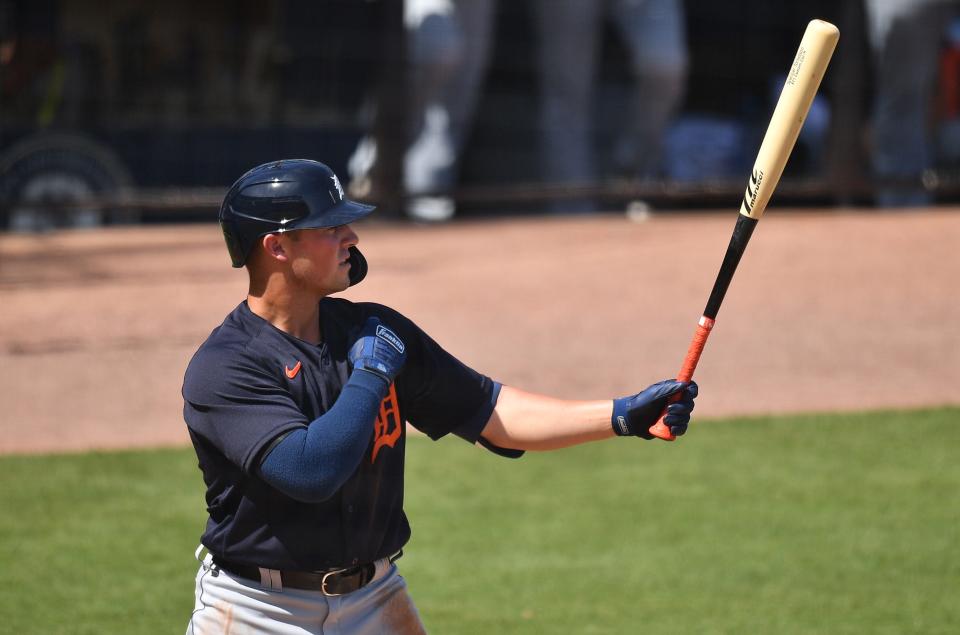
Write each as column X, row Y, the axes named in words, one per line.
column 622, row 428
column 378, row 350
column 386, row 334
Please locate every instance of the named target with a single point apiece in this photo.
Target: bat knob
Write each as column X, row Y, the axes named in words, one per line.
column 661, row 431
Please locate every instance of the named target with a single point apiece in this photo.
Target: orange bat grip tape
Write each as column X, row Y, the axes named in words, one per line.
column 660, row 429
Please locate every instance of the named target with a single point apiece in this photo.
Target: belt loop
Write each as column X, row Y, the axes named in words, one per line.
column 206, row 561
column 382, row 565
column 271, row 579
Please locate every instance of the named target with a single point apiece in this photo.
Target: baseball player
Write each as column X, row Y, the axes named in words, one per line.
column 296, row 406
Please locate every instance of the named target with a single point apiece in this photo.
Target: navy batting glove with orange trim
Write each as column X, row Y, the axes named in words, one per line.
column 633, row 416
column 378, row 350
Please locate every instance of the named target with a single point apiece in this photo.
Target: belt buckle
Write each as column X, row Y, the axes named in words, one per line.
column 323, row 582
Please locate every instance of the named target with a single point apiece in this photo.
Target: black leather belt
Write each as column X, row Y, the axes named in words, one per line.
column 330, row 582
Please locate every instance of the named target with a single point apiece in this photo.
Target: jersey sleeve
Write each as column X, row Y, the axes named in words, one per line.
column 236, row 406
column 440, row 393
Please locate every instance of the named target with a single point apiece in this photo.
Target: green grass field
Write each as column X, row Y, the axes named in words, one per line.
column 812, row 524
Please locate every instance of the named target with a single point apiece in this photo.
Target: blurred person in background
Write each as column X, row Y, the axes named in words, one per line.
column 448, row 49
column 569, row 35
column 906, row 37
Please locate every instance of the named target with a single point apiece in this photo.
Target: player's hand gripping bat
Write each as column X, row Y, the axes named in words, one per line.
column 801, row 85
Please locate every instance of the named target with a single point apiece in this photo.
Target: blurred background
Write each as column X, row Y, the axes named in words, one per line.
column 127, row 111
column 509, row 146
column 513, row 148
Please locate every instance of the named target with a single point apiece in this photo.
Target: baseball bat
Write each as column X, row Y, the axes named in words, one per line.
column 809, row 64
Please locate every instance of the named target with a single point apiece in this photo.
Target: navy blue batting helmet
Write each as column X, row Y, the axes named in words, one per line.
column 282, row 196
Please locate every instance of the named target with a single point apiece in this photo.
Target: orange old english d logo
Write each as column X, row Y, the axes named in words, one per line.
column 389, row 426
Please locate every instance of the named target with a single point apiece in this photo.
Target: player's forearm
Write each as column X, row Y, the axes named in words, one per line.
column 528, row 421
column 312, row 463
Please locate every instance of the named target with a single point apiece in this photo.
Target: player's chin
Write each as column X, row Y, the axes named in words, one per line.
column 342, row 279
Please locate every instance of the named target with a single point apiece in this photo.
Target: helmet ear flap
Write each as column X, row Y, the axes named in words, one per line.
column 358, row 266
column 235, row 245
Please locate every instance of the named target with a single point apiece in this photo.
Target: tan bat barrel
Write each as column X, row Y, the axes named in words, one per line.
column 809, row 65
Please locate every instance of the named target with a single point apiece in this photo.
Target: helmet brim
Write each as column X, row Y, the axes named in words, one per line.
column 343, row 213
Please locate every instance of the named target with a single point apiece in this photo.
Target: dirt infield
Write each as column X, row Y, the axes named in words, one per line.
column 828, row 311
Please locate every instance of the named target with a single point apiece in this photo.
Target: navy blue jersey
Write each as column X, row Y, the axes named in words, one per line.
column 251, row 382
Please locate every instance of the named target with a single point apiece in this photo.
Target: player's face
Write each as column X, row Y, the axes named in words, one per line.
column 319, row 258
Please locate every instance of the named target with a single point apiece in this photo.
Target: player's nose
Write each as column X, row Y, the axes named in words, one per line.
column 349, row 237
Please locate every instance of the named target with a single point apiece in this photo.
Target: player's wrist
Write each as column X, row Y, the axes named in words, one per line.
column 618, row 419
column 370, row 379
column 623, row 424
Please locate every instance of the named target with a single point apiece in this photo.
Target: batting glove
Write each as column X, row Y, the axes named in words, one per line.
column 633, row 416
column 378, row 350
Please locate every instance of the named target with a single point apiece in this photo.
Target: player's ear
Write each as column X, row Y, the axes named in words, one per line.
column 273, row 247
